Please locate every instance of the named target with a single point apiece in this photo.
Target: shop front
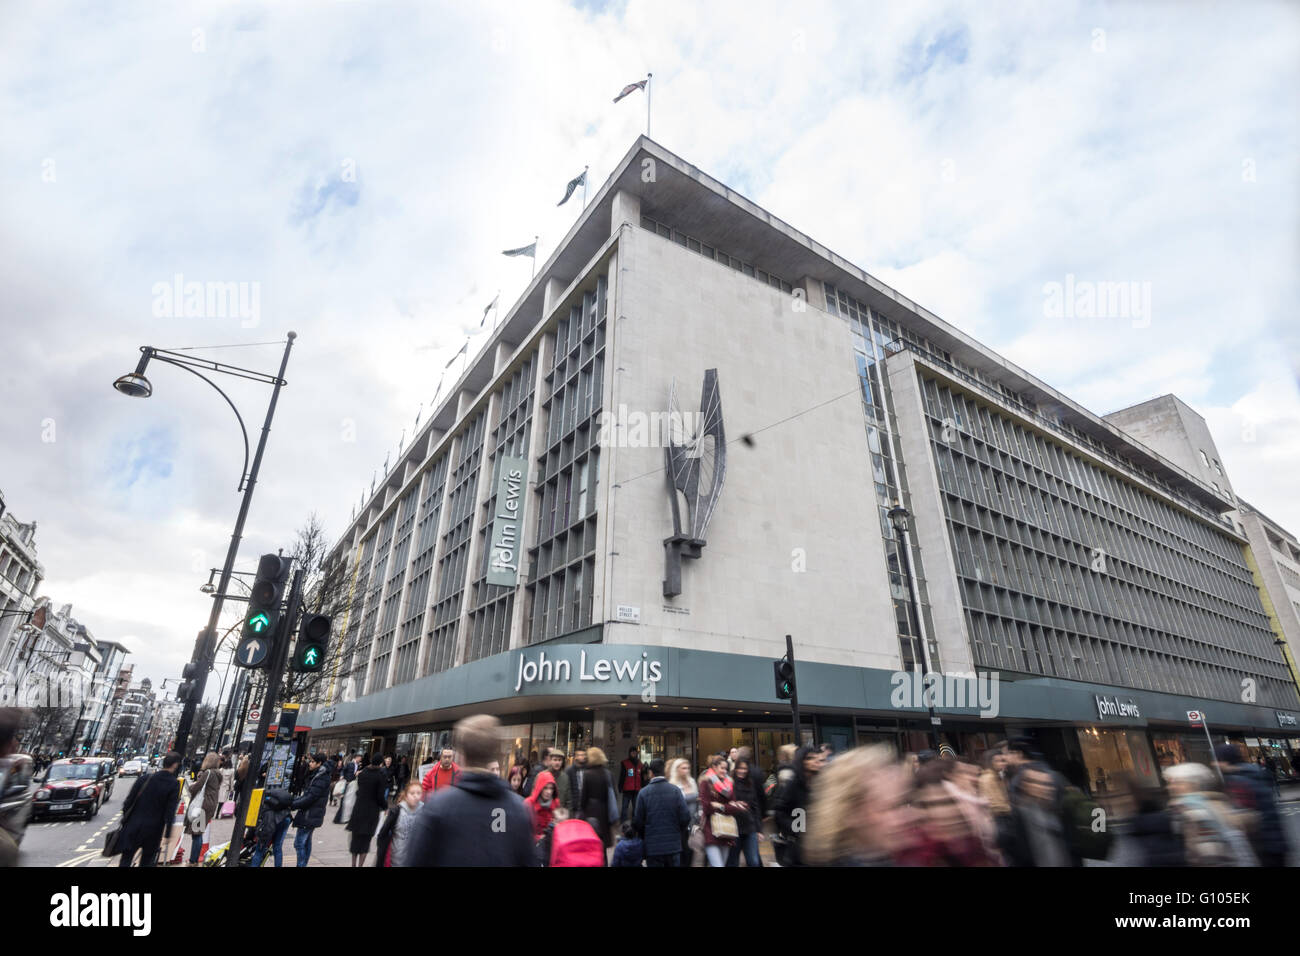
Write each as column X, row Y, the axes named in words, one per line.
column 664, row 702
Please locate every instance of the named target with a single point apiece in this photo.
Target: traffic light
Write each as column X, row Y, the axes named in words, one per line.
column 313, row 639
column 783, row 671
column 263, row 611
column 189, row 672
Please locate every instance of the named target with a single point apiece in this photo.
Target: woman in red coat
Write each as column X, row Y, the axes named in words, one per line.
column 542, row 802
column 715, row 797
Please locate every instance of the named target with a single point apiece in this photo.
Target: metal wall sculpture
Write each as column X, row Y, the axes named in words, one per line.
column 697, row 466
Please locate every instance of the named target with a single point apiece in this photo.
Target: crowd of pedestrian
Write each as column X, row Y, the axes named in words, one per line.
column 862, row 807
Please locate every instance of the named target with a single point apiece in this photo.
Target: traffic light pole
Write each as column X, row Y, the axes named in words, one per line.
column 280, row 654
column 794, row 693
column 203, row 646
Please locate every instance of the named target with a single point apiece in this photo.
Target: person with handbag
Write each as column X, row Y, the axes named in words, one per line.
column 718, row 812
column 147, row 814
column 205, row 797
column 679, row 775
column 599, row 805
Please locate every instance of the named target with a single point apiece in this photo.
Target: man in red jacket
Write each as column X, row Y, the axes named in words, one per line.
column 629, row 782
column 444, row 774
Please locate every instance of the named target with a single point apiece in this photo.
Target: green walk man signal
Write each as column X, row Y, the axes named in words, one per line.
column 783, row 671
column 313, row 639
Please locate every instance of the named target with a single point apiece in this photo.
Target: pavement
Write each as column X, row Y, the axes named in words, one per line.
column 329, row 847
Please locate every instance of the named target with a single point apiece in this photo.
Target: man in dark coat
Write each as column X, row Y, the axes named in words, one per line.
column 1250, row 787
column 660, row 818
column 149, row 811
column 477, row 821
column 574, row 773
column 310, row 806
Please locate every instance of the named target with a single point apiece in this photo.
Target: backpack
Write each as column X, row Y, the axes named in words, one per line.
column 1078, row 815
column 575, row 843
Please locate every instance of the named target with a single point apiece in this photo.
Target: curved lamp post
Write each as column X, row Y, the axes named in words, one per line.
column 136, row 385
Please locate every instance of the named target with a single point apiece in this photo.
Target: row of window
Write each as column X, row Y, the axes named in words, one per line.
column 558, row 597
column 717, row 255
column 1003, row 643
column 995, row 440
column 1066, row 538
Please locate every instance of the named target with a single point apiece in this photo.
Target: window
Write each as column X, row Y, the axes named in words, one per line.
column 1204, row 460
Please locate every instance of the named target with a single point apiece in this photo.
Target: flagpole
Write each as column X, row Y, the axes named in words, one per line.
column 533, row 274
column 647, row 104
column 584, row 186
column 496, row 308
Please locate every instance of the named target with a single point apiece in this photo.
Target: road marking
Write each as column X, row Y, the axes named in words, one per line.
column 78, row 860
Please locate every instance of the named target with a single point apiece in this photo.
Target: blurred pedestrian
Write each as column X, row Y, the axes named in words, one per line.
column 791, row 805
column 476, row 821
column 952, row 828
column 399, row 822
column 1253, row 789
column 1210, row 827
column 1037, row 834
column 860, row 815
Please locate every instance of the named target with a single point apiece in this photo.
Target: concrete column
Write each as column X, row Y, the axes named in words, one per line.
column 551, row 294
column 624, row 208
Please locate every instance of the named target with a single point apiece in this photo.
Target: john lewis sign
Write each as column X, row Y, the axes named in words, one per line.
column 1114, row 707
column 508, row 522
column 598, row 667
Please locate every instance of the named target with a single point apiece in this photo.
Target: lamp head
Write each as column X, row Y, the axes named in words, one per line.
column 134, row 384
column 898, row 516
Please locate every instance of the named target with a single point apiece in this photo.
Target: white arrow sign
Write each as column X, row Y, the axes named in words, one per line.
column 254, row 650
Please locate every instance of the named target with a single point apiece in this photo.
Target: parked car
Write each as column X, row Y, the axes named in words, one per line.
column 76, row 785
column 16, row 792
column 132, row 768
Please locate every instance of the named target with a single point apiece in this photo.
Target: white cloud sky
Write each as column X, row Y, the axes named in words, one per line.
column 966, row 153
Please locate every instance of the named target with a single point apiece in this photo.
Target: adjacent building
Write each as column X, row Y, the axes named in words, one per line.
column 688, row 439
column 20, row 577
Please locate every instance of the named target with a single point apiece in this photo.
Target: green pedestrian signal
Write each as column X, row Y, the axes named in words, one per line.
column 313, row 638
column 263, row 612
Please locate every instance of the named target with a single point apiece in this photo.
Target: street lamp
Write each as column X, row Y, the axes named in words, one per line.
column 898, row 517
column 135, row 385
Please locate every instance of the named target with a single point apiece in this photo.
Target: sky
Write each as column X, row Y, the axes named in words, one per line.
column 356, row 168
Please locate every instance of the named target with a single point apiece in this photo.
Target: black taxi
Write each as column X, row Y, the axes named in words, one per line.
column 77, row 785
